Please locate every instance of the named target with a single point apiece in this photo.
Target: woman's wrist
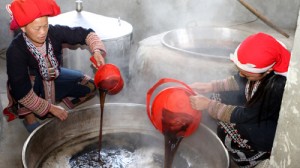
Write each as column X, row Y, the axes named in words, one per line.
column 99, row 51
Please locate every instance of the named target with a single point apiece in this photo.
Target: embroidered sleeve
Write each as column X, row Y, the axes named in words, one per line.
column 36, row 104
column 95, row 43
column 228, row 84
column 220, row 111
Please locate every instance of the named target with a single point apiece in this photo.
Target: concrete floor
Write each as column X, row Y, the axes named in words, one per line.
column 13, row 134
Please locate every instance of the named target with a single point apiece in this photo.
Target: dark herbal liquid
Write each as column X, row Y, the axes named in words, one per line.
column 102, row 101
column 122, row 150
column 174, row 126
column 125, row 150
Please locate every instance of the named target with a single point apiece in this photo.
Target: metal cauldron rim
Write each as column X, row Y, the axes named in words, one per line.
column 107, row 104
column 165, row 42
column 70, row 111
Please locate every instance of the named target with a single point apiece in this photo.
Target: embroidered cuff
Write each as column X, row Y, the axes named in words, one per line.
column 100, row 51
column 220, row 111
column 228, row 84
column 36, row 104
column 95, row 44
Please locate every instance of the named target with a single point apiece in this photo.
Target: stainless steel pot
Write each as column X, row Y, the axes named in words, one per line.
column 115, row 33
column 83, row 125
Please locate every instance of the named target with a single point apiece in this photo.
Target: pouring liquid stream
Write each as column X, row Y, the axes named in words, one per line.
column 174, row 127
column 102, row 101
column 171, row 145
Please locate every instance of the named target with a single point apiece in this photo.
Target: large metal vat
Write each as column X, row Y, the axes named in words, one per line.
column 82, row 127
column 190, row 55
column 115, row 33
column 212, row 42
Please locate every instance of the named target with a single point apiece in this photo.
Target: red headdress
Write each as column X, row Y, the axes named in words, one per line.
column 260, row 52
column 24, row 12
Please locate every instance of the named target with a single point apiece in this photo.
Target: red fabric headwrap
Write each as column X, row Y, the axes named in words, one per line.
column 259, row 52
column 26, row 11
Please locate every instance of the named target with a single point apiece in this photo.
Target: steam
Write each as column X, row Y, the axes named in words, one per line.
column 149, row 60
column 144, row 53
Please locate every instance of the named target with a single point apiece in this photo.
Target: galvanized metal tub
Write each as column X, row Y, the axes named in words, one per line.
column 115, row 33
column 82, row 125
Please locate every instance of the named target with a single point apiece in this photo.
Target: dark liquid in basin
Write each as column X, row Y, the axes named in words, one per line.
column 128, row 150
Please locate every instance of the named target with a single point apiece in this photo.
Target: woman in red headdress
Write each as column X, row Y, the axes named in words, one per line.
column 36, row 79
column 247, row 104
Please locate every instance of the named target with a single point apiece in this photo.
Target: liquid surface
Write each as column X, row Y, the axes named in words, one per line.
column 122, row 150
column 118, row 152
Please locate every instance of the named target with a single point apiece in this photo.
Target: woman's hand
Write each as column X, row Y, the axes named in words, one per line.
column 202, row 88
column 58, row 112
column 199, row 102
column 99, row 59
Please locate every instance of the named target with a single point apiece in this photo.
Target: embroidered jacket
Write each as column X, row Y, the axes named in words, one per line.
column 20, row 60
column 256, row 123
